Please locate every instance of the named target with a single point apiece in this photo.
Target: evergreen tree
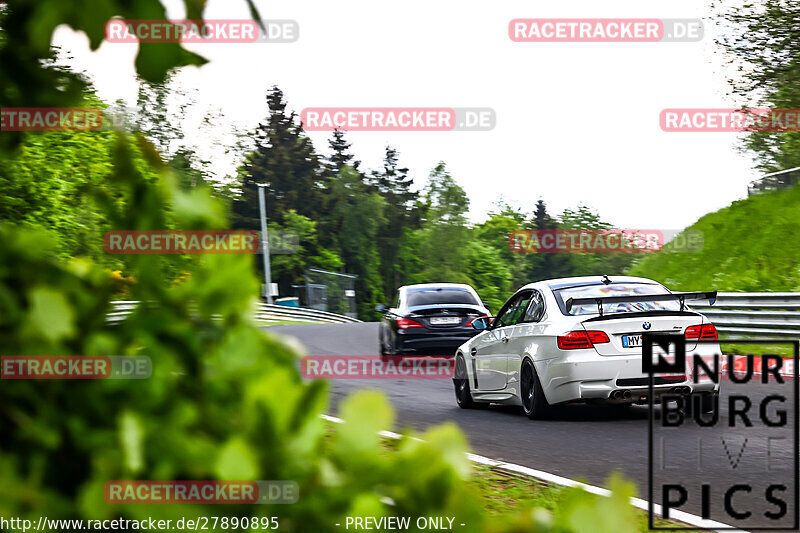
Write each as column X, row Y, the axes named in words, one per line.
column 541, row 218
column 285, row 161
column 355, row 212
column 340, row 155
column 444, row 235
column 401, row 216
column 543, row 265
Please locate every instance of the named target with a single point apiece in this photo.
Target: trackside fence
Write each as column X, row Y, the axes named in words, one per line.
column 755, row 314
column 264, row 313
column 735, row 314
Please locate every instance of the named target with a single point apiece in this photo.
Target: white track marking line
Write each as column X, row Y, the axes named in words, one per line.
column 686, row 518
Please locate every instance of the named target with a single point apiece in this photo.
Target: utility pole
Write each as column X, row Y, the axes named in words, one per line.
column 262, row 205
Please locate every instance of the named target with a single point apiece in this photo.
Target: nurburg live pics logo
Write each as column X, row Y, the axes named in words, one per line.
column 735, row 465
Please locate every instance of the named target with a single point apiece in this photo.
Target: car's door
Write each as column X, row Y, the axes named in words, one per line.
column 490, row 351
column 526, row 334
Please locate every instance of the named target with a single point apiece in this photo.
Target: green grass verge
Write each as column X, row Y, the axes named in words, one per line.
column 505, row 493
column 784, row 350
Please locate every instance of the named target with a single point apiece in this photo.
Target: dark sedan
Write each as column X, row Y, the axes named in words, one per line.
column 429, row 319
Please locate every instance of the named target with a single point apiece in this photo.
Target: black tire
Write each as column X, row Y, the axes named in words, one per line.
column 387, row 350
column 382, row 347
column 461, row 383
column 534, row 404
column 706, row 402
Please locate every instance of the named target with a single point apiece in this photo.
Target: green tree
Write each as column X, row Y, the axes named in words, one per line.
column 761, row 43
column 401, row 217
column 289, row 268
column 593, row 264
column 494, row 232
column 354, row 216
column 27, row 58
column 285, row 161
column 489, row 273
column 545, row 265
column 444, row 233
column 340, row 154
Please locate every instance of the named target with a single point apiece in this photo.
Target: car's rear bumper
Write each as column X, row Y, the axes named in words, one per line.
column 418, row 341
column 586, row 375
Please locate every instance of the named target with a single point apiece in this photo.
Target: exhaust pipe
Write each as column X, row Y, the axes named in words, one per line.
column 616, row 395
column 626, row 395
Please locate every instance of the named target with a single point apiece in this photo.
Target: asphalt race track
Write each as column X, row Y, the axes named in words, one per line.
column 590, row 442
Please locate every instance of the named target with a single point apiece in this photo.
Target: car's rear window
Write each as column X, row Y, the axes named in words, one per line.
column 440, row 296
column 614, row 289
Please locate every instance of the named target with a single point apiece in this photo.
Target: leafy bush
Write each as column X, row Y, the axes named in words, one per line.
column 225, row 400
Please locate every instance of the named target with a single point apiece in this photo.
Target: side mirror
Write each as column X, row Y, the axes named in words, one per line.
column 485, row 304
column 482, row 323
column 381, row 308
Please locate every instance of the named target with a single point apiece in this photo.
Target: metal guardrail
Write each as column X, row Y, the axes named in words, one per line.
column 735, row 314
column 755, row 314
column 264, row 314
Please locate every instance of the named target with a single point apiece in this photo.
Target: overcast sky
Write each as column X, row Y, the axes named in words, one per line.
column 576, row 122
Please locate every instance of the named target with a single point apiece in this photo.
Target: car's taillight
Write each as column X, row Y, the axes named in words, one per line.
column 704, row 332
column 598, row 337
column 405, row 323
column 578, row 340
column 473, row 319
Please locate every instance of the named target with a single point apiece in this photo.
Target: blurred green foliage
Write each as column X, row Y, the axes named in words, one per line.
column 225, row 400
column 760, row 44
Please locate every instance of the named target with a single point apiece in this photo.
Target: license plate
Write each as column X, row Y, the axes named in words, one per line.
column 441, row 320
column 631, row 341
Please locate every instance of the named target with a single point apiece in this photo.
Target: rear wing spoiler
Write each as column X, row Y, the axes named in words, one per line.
column 674, row 296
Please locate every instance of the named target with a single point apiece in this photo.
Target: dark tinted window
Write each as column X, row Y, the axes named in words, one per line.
column 514, row 310
column 440, row 296
column 535, row 309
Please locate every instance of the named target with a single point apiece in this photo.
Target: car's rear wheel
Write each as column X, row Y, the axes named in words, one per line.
column 534, row 404
column 461, row 383
column 386, row 349
column 705, row 402
column 381, row 346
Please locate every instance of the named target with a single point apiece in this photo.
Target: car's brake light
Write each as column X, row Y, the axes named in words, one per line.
column 704, row 332
column 473, row 319
column 578, row 340
column 405, row 323
column 598, row 337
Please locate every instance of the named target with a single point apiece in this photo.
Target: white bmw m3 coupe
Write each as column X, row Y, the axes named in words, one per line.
column 580, row 340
